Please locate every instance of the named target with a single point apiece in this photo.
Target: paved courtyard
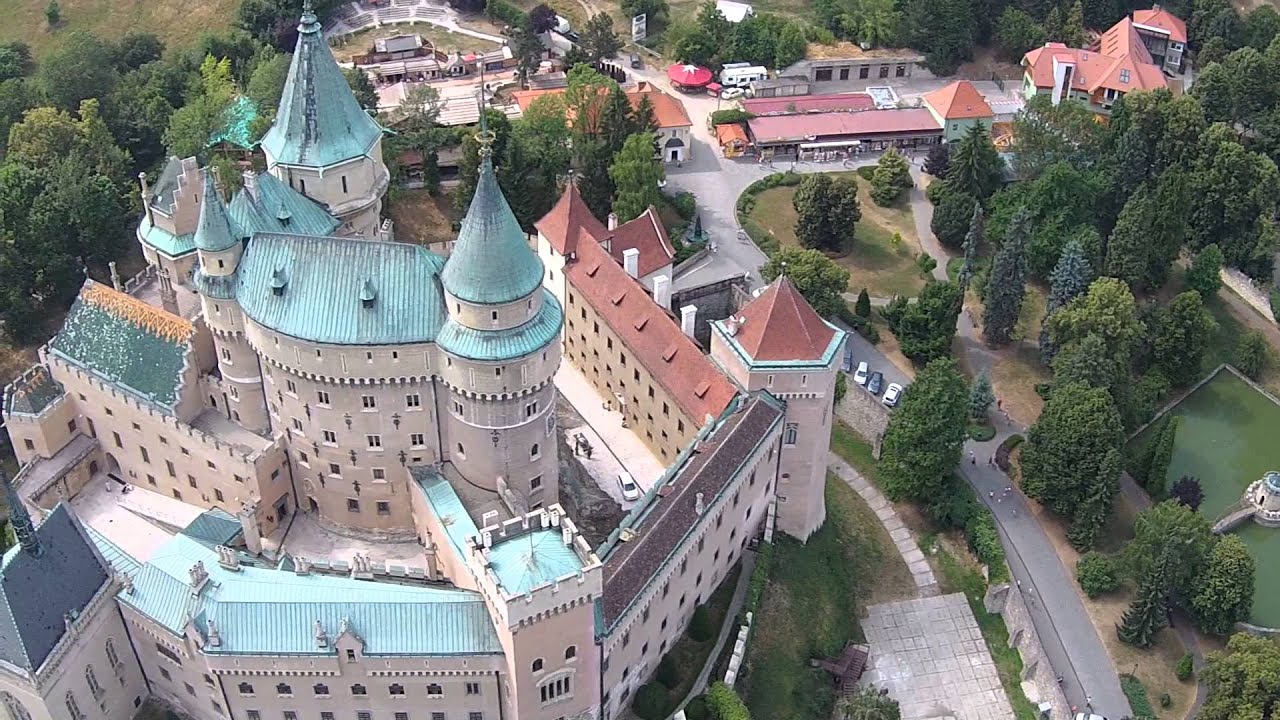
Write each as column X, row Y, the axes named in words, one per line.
column 930, row 655
column 627, row 450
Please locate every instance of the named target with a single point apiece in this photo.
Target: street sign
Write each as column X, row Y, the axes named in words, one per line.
column 639, row 27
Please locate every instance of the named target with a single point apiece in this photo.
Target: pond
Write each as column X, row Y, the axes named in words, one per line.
column 1228, row 438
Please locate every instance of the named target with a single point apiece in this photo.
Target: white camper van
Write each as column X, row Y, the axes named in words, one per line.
column 741, row 75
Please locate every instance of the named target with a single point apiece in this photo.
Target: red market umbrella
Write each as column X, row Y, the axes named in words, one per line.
column 688, row 76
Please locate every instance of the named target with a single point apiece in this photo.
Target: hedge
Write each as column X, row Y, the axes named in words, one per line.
column 960, row 510
column 759, row 577
column 729, row 116
column 725, row 704
column 860, row 325
column 1137, row 694
column 1007, row 446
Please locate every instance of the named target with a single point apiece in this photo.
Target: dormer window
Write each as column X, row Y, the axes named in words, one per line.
column 367, row 294
column 278, row 282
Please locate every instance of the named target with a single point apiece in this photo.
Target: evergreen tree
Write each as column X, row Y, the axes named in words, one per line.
column 923, row 441
column 1204, row 274
column 891, row 177
column 926, row 327
column 636, row 173
column 938, row 161
column 862, row 308
column 1007, row 283
column 53, row 13
column 616, row 119
column 593, row 159
column 1224, row 588
column 981, row 396
column 1157, row 469
column 643, row 119
column 1131, row 254
column 1073, row 32
column 975, row 166
column 952, row 215
column 1070, row 278
column 1089, row 518
column 827, row 210
column 972, row 243
column 598, row 38
column 1146, row 616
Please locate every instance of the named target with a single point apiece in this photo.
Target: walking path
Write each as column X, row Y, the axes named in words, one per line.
column 921, row 573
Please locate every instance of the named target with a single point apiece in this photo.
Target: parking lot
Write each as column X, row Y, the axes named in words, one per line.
column 863, row 351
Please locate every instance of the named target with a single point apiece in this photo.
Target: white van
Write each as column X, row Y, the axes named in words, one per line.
column 742, row 74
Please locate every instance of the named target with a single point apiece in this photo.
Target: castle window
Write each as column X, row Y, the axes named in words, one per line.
column 571, row 652
column 473, row 715
column 351, row 655
column 555, row 689
column 291, row 387
column 413, row 400
column 473, row 688
column 368, row 402
column 537, row 665
column 329, row 436
column 220, row 264
column 418, row 440
column 534, row 452
column 191, row 480
column 535, row 483
column 335, row 470
column 494, row 316
column 253, row 715
column 297, row 424
column 396, row 689
column 384, row 508
column 16, row 709
column 177, row 495
column 146, row 458
column 302, row 186
column 168, row 465
column 353, row 505
column 457, row 407
column 497, row 372
column 245, row 689
column 359, row 689
column 790, row 434
column 226, row 355
column 322, row 396
column 375, row 441
column 114, row 436
column 321, row 690
column 434, row 690
column 94, row 688
column 531, row 409
column 344, row 184
column 461, row 453
column 284, row 689
column 217, row 494
column 379, row 474
column 111, row 654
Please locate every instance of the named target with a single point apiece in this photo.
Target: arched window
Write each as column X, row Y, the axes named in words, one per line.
column 790, row 434
column 94, row 688
column 16, row 709
column 571, row 652
column 537, row 665
column 111, row 653
column 533, row 452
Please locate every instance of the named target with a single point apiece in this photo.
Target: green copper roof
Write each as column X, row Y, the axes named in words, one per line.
column 492, row 263
column 447, row 506
column 310, row 288
column 532, row 560
column 213, row 232
column 319, row 122
column 237, row 120
column 127, row 342
column 214, row 527
column 165, row 241
column 260, row 210
column 491, row 345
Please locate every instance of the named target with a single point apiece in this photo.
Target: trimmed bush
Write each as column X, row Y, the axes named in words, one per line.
column 759, row 577
column 1096, row 574
column 668, row 673
column 983, row 539
column 701, row 628
column 685, row 205
column 696, row 708
column 1007, row 446
column 1185, row 668
column 1251, row 353
column 1166, row 700
column 729, row 116
column 651, row 702
column 1137, row 694
column 725, row 704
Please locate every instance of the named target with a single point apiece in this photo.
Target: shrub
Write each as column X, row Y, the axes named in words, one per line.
column 651, row 702
column 860, row 325
column 985, row 541
column 1096, row 574
column 1275, row 304
column 1166, row 700
column 1007, row 447
column 866, row 172
column 725, row 704
column 696, row 708
column 685, row 205
column 701, row 627
column 1251, row 354
column 926, row 263
column 1185, row 668
column 1137, row 694
column 759, row 577
column 668, row 673
column 729, row 116
column 506, row 12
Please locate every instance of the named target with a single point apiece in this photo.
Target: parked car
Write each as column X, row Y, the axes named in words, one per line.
column 636, row 64
column 732, row 93
column 892, row 395
column 1088, row 716
column 860, row 376
column 847, row 364
column 875, row 383
column 630, row 490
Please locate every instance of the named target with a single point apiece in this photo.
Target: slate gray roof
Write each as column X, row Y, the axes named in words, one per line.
column 32, row 392
column 38, row 592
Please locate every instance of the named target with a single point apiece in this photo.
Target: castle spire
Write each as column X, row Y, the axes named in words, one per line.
column 23, row 529
column 213, row 231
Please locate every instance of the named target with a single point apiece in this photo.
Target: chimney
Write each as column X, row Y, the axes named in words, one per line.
column 168, row 297
column 631, row 262
column 662, row 291
column 146, row 199
column 115, row 275
column 251, row 183
column 698, row 506
column 322, row 638
column 613, row 221
column 215, row 640
column 688, row 319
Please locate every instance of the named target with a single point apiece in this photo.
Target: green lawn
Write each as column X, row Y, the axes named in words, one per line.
column 178, row 23
column 874, row 261
column 855, row 451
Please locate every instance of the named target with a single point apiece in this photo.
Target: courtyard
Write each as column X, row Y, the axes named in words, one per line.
column 1227, row 439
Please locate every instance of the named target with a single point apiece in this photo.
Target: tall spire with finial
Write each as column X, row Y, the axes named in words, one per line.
column 23, row 528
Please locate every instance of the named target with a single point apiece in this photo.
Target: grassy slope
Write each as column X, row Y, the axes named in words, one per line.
column 177, row 23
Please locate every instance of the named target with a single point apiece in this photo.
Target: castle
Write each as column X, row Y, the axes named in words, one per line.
column 282, row 357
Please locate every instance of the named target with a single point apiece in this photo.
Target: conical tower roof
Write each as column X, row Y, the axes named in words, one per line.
column 213, row 231
column 782, row 325
column 319, row 121
column 491, row 263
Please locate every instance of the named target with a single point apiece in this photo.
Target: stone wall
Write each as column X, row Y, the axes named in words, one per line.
column 1038, row 679
column 715, row 301
column 1251, row 292
column 864, row 412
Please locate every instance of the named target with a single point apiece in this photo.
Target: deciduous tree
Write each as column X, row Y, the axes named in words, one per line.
column 1224, row 588
column 1068, row 446
column 1242, row 681
column 923, row 441
column 1251, row 353
column 938, row 160
column 1106, row 310
column 952, row 217
column 1017, row 33
column 1204, row 275
column 1181, row 336
column 926, row 327
column 818, row 278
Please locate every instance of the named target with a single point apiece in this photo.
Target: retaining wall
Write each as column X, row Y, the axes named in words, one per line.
column 864, row 412
column 1009, row 602
column 1248, row 290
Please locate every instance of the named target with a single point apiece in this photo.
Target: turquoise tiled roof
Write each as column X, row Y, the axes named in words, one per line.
column 165, row 241
column 491, row 262
column 264, row 611
column 490, row 345
column 33, row 391
column 214, row 527
column 447, row 506
column 237, row 121
column 319, row 122
column 121, row 561
column 532, row 560
column 260, row 211
column 134, row 346
column 213, row 231
column 322, row 279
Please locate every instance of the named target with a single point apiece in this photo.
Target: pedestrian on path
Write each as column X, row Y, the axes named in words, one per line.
column 973, row 458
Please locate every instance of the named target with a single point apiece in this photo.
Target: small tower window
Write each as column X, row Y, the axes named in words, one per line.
column 220, row 265
column 302, row 186
column 344, row 184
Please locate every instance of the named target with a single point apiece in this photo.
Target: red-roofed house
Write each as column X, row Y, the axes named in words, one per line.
column 1121, row 63
column 1165, row 36
column 958, row 107
column 778, row 343
column 674, row 125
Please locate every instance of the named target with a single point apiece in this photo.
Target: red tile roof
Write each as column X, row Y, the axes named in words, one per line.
column 1120, row 63
column 655, row 340
column 782, row 325
column 668, row 111
column 813, row 127
column 848, row 102
column 1158, row 17
column 731, row 133
column 569, row 222
column 646, row 234
column 959, row 101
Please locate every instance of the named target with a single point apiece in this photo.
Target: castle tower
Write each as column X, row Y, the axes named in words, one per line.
column 322, row 143
column 778, row 343
column 219, row 249
column 501, row 349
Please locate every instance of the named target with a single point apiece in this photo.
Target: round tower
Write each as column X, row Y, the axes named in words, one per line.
column 243, row 398
column 500, row 349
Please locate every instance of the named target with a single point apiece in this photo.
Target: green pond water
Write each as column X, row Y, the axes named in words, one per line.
column 1230, row 436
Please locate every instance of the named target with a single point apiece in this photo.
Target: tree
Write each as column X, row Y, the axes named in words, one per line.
column 1132, row 255
column 636, row 173
column 1224, row 589
column 643, row 118
column 818, row 278
column 827, row 210
column 1204, row 274
column 81, row 67
column 952, row 217
column 972, row 245
column 192, row 125
column 1068, row 446
column 862, row 308
column 1096, row 574
column 1017, row 33
column 528, row 50
column 1242, row 681
column 137, row 48
column 1147, row 613
column 937, row 162
column 725, row 704
column 926, row 327
column 980, row 397
column 1108, row 311
column 1045, row 134
column 701, row 627
column 366, row 94
column 615, row 120
column 53, row 13
column 420, row 107
column 1172, row 528
column 868, row 703
column 469, row 167
column 891, row 177
column 598, row 38
column 1070, row 278
column 975, row 165
column 650, row 702
column 944, row 30
column 1007, row 285
column 1181, row 336
column 1155, row 474
column 1251, row 353
column 542, row 18
column 1187, row 491
column 923, row 441
column 266, row 84
column 654, row 9
column 1073, row 32
column 791, row 45
column 1236, row 192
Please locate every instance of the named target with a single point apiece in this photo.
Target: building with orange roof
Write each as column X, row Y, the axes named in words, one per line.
column 1119, row 64
column 674, row 125
column 1165, row 36
column 957, row 107
column 733, row 139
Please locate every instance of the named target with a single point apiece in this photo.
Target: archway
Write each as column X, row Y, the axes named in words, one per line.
column 113, row 469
